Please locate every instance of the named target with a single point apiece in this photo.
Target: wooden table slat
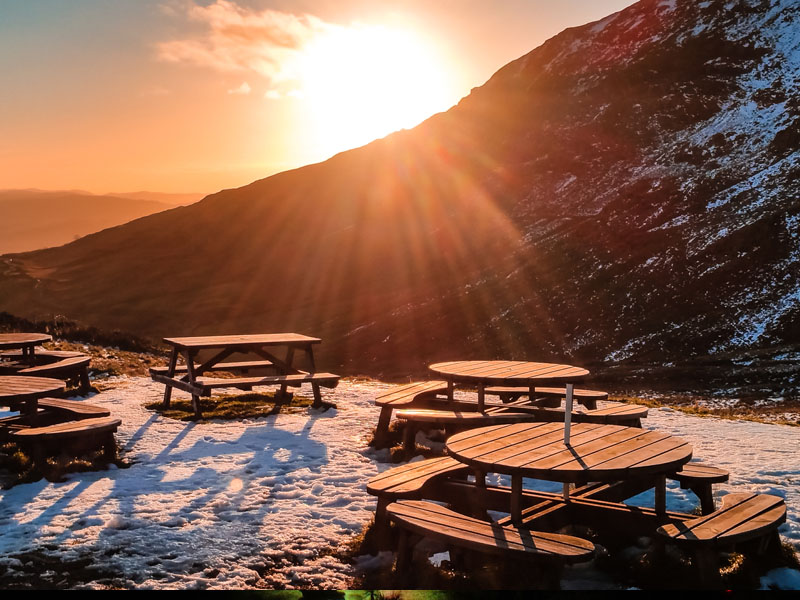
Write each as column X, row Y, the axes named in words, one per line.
column 541, row 447
column 581, row 452
column 218, row 341
column 603, row 452
column 485, row 439
column 619, row 460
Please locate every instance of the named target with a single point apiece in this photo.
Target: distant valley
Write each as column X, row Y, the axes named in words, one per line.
column 34, row 219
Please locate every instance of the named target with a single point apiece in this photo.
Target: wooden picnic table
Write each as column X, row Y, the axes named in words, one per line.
column 595, row 453
column 26, row 342
column 24, row 392
column 262, row 345
column 520, row 374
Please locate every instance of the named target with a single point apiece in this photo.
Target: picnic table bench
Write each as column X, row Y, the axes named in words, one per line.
column 433, row 520
column 740, row 518
column 548, row 396
column 78, row 435
column 189, row 376
column 466, row 415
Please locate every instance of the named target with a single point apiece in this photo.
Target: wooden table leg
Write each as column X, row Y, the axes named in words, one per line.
column 189, row 357
column 481, row 397
column 661, row 495
column 480, row 479
column 516, row 498
column 279, row 397
column 312, row 366
column 450, row 390
column 173, row 362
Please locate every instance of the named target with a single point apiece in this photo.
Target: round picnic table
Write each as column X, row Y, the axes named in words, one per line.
column 595, row 452
column 25, row 342
column 483, row 373
column 16, row 390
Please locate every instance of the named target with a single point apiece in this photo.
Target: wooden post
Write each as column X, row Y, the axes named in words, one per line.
column 661, row 495
column 310, row 356
column 568, row 413
column 481, row 397
column 382, row 430
column 173, row 362
column 288, row 360
column 189, row 356
column 317, row 396
column 403, row 552
column 410, row 436
column 84, row 377
column 516, row 498
column 480, row 479
column 703, row 491
column 450, row 390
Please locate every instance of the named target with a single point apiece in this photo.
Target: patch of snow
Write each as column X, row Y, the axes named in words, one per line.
column 212, row 505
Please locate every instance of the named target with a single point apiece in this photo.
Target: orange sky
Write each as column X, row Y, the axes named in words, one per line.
column 179, row 96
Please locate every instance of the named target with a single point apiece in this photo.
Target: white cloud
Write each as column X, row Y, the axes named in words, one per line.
column 272, row 95
column 242, row 90
column 239, row 39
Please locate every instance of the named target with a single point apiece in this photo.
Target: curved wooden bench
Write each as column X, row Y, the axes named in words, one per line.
column 454, row 419
column 72, row 409
column 431, row 520
column 57, row 354
column 612, row 413
column 588, row 398
column 81, row 435
column 410, row 481
column 403, row 396
column 741, row 517
column 616, row 413
column 699, row 477
column 75, row 366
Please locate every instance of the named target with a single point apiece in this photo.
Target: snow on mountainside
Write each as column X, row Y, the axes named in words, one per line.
column 708, row 93
column 625, row 194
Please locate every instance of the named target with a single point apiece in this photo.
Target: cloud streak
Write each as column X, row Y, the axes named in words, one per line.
column 236, row 39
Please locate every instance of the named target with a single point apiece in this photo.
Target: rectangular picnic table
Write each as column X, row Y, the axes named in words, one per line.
column 189, row 376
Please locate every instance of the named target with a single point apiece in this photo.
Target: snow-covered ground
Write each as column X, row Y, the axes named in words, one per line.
column 236, row 504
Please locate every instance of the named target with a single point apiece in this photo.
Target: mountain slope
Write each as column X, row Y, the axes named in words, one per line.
column 32, row 219
column 626, row 192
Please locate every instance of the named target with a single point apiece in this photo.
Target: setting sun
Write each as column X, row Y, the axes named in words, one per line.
column 363, row 82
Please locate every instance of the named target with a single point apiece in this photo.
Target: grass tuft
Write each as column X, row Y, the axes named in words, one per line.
column 251, row 405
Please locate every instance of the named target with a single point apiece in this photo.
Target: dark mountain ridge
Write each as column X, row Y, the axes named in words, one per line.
column 625, row 194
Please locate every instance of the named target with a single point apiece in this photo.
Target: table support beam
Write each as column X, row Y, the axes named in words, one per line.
column 568, row 412
column 173, row 362
column 661, row 495
column 516, row 498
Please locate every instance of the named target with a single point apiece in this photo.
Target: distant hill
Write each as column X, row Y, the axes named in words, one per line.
column 165, row 198
column 33, row 219
column 628, row 193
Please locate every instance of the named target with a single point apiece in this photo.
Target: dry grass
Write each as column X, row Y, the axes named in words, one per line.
column 739, row 413
column 231, row 406
column 16, row 466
